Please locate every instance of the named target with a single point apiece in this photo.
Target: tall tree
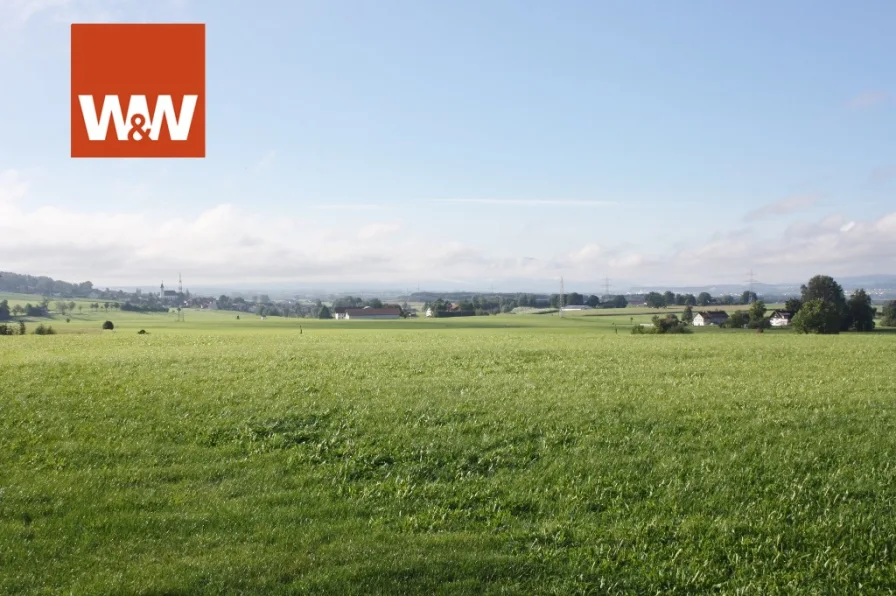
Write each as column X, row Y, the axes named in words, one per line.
column 748, row 297
column 4, row 310
column 757, row 310
column 704, row 299
column 655, row 300
column 888, row 314
column 823, row 287
column 861, row 313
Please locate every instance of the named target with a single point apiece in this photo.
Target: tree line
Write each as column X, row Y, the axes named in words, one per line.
column 669, row 298
column 30, row 284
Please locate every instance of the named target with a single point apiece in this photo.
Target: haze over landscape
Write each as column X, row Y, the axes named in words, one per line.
column 588, row 142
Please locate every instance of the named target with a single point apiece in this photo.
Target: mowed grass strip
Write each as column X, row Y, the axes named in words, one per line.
column 438, row 458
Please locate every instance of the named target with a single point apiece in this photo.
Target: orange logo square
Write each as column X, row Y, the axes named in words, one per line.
column 138, row 90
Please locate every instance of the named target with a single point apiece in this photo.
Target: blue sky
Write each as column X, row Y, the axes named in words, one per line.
column 467, row 144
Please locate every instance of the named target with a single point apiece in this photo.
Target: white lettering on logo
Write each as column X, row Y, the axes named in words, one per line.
column 138, row 122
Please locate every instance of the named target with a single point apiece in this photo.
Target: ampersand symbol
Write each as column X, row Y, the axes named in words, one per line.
column 137, row 122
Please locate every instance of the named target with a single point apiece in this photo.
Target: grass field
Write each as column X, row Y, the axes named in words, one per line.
column 509, row 454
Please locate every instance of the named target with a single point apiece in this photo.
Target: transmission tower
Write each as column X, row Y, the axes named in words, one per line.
column 751, row 281
column 562, row 296
column 180, row 297
column 607, row 286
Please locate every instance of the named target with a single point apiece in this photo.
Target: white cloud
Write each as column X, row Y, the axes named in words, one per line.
column 782, row 207
column 19, row 12
column 228, row 244
column 352, row 207
column 12, row 187
column 530, row 202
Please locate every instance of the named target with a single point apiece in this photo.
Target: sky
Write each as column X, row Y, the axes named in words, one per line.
column 475, row 145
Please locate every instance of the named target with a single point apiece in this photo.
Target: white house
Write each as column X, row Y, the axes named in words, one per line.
column 781, row 318
column 709, row 317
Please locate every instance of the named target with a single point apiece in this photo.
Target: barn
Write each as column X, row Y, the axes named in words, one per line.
column 368, row 313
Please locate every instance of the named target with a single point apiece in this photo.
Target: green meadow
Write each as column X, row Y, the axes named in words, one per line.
column 512, row 454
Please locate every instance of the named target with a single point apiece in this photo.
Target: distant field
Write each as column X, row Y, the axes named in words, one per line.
column 504, row 454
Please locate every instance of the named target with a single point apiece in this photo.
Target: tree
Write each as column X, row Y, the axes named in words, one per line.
column 668, row 298
column 324, row 312
column 823, row 287
column 738, row 320
column 748, row 297
column 61, row 308
column 888, row 314
column 817, row 316
column 18, row 310
column 861, row 313
column 593, row 301
column 620, row 301
column 108, row 326
column 688, row 315
column 690, row 300
column 80, row 308
column 793, row 305
column 654, row 300
column 71, row 306
column 757, row 310
column 4, row 311
column 704, row 299
column 375, row 303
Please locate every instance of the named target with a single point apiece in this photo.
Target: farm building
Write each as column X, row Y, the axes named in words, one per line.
column 370, row 313
column 710, row 317
column 339, row 312
column 781, row 318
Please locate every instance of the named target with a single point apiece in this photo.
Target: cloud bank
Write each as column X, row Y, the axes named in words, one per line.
column 226, row 244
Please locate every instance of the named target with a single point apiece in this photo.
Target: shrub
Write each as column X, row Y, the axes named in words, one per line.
column 759, row 324
column 141, row 332
column 44, row 330
column 738, row 320
column 669, row 324
column 108, row 326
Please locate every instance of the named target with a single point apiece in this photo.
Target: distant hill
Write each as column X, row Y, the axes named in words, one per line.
column 42, row 285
